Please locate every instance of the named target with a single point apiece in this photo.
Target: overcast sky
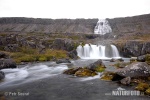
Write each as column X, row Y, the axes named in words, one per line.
column 73, row 8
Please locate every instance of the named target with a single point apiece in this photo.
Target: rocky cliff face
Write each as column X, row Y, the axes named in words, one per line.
column 120, row 26
column 134, row 48
column 135, row 24
column 25, row 25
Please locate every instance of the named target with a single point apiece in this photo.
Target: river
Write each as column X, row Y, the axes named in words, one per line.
column 45, row 81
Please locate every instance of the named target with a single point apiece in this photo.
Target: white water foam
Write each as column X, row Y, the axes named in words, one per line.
column 89, row 51
column 91, row 78
column 30, row 73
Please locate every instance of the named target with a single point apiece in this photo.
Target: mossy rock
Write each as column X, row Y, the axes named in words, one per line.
column 121, row 64
column 108, row 76
column 148, row 91
column 142, row 86
column 147, row 59
column 85, row 72
column 133, row 60
column 100, row 68
column 71, row 71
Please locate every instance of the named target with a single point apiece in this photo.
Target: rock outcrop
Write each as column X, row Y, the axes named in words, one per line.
column 134, row 48
column 7, row 63
column 62, row 61
column 2, row 75
column 137, row 69
column 64, row 44
column 96, row 65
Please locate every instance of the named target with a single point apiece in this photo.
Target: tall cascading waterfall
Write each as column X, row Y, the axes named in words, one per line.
column 102, row 27
column 89, row 51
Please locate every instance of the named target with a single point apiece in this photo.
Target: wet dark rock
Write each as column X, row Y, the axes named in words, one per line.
column 3, row 55
column 85, row 72
column 2, row 75
column 91, row 36
column 62, row 61
column 111, row 76
column 80, row 72
column 117, row 77
column 95, row 65
column 73, row 54
column 126, row 81
column 141, row 58
column 112, row 60
column 7, row 63
column 136, row 69
column 72, row 71
column 116, row 60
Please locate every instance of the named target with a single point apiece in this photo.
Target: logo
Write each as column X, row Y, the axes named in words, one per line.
column 123, row 92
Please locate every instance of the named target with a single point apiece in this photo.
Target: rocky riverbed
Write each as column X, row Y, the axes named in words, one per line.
column 39, row 81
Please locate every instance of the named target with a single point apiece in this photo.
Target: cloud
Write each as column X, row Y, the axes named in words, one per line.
column 73, row 8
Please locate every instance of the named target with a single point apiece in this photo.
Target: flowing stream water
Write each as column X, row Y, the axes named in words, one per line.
column 45, row 81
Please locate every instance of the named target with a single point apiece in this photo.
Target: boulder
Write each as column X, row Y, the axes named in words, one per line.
column 2, row 75
column 85, row 72
column 71, row 71
column 111, row 76
column 73, row 54
column 3, row 55
column 126, row 81
column 136, row 69
column 116, row 60
column 63, row 61
column 96, row 65
column 80, row 72
column 7, row 63
column 141, row 58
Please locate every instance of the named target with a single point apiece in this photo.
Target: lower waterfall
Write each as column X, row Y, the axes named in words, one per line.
column 89, row 51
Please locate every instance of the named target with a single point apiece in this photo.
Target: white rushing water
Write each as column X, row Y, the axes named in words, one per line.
column 31, row 73
column 89, row 51
column 102, row 27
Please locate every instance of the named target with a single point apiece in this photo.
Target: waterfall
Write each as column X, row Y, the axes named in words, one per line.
column 97, row 52
column 115, row 51
column 102, row 27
